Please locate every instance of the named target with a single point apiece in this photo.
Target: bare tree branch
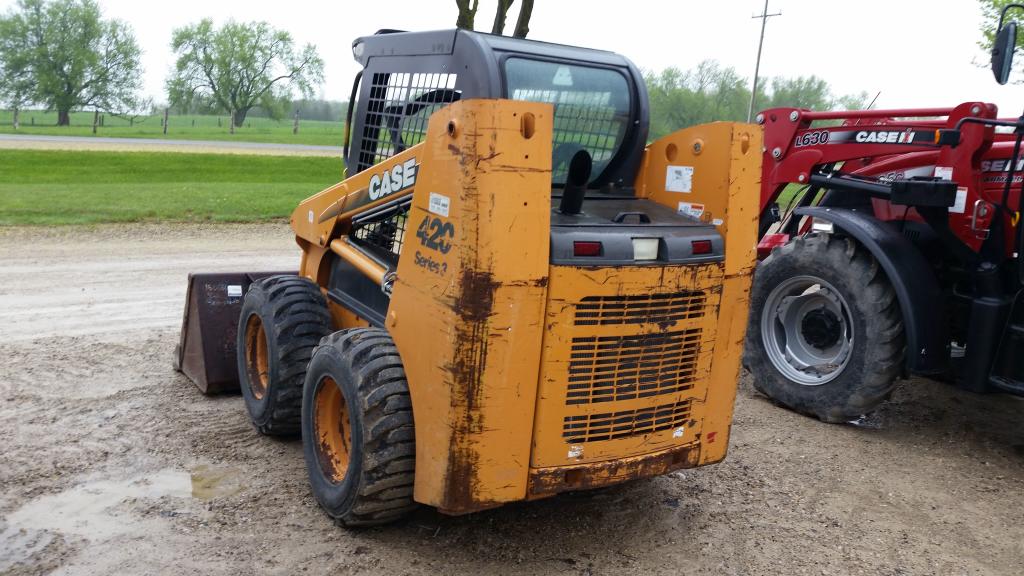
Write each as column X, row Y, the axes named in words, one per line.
column 523, row 23
column 500, row 14
column 467, row 13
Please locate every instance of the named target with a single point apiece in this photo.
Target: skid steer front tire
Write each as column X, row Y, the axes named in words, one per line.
column 283, row 318
column 825, row 333
column 357, row 429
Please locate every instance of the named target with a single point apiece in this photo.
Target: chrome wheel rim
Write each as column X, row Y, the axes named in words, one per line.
column 806, row 330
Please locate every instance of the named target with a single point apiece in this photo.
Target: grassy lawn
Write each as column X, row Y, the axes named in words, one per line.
column 63, row 187
column 179, row 128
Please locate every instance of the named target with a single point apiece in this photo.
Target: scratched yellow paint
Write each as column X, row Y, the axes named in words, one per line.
column 726, row 161
column 468, row 323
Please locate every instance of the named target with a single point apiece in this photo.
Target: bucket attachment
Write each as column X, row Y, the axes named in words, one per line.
column 206, row 351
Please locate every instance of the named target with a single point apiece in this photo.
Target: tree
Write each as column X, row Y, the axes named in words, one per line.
column 523, row 23
column 808, row 92
column 500, row 15
column 16, row 87
column 991, row 9
column 711, row 92
column 707, row 93
column 857, row 101
column 240, row 66
column 137, row 114
column 72, row 57
column 467, row 13
column 467, row 16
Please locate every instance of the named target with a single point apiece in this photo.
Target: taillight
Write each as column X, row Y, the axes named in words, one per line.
column 586, row 248
column 701, row 247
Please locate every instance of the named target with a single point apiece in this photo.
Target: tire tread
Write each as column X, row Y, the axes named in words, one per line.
column 884, row 358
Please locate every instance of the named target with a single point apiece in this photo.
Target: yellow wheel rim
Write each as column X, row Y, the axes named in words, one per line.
column 332, row 430
column 257, row 357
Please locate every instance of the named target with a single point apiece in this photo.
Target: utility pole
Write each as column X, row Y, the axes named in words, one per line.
column 764, row 16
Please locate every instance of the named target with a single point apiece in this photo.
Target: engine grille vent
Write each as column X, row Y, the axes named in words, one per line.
column 613, row 425
column 610, row 368
column 640, row 309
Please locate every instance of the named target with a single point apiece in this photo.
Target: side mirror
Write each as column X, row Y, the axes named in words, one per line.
column 1002, row 52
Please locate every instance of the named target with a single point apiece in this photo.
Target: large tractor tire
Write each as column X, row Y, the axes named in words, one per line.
column 283, row 318
column 825, row 335
column 357, row 429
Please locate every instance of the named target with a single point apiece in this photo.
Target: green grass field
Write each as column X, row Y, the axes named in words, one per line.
column 179, row 128
column 62, row 187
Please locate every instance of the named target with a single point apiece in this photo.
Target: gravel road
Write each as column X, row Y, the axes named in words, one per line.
column 115, row 464
column 42, row 142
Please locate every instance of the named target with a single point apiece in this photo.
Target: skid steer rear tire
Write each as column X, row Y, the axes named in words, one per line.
column 357, row 429
column 806, row 293
column 283, row 318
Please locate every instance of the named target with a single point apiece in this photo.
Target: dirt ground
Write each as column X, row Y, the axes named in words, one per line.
column 112, row 463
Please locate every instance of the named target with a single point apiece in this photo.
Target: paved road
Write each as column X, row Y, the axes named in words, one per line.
column 40, row 142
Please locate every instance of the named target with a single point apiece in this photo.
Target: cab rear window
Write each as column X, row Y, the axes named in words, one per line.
column 592, row 108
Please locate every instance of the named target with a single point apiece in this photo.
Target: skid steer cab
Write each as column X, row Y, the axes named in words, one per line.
column 514, row 295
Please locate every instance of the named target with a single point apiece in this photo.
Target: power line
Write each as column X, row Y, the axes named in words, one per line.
column 764, row 16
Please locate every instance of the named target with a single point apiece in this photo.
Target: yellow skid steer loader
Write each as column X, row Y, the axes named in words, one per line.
column 514, row 296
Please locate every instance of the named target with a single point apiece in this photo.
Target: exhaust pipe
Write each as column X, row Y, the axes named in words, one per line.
column 576, row 183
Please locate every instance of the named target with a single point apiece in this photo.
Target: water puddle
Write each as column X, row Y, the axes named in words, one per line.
column 209, row 482
column 101, row 510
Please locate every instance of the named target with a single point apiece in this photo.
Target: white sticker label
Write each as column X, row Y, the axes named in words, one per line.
column 439, row 204
column 718, row 221
column 563, row 76
column 234, row 291
column 310, row 216
column 678, row 432
column 679, row 179
column 575, row 451
column 944, row 172
column 961, row 201
column 691, row 209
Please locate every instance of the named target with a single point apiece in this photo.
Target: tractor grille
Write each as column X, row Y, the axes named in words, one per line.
column 397, row 112
column 384, row 230
column 614, row 425
column 640, row 309
column 610, row 368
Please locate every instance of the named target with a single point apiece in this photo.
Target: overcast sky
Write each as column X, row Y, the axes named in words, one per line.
column 917, row 53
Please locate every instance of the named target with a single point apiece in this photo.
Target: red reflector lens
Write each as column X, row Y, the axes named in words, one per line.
column 586, row 248
column 701, row 247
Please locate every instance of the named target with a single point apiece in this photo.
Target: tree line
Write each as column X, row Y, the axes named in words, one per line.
column 710, row 92
column 64, row 55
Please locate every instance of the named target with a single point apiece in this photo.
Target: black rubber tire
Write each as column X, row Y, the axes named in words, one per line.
column 874, row 363
column 377, row 486
column 294, row 317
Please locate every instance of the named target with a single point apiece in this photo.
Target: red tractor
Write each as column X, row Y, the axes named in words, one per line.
column 899, row 253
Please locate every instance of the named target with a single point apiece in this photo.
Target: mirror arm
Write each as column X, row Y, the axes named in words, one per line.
column 1002, row 15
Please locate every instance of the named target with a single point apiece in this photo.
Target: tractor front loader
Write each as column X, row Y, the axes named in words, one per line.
column 515, row 295
column 901, row 253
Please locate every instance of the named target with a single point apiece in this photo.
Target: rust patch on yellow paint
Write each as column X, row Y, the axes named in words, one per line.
column 549, row 481
column 473, row 307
